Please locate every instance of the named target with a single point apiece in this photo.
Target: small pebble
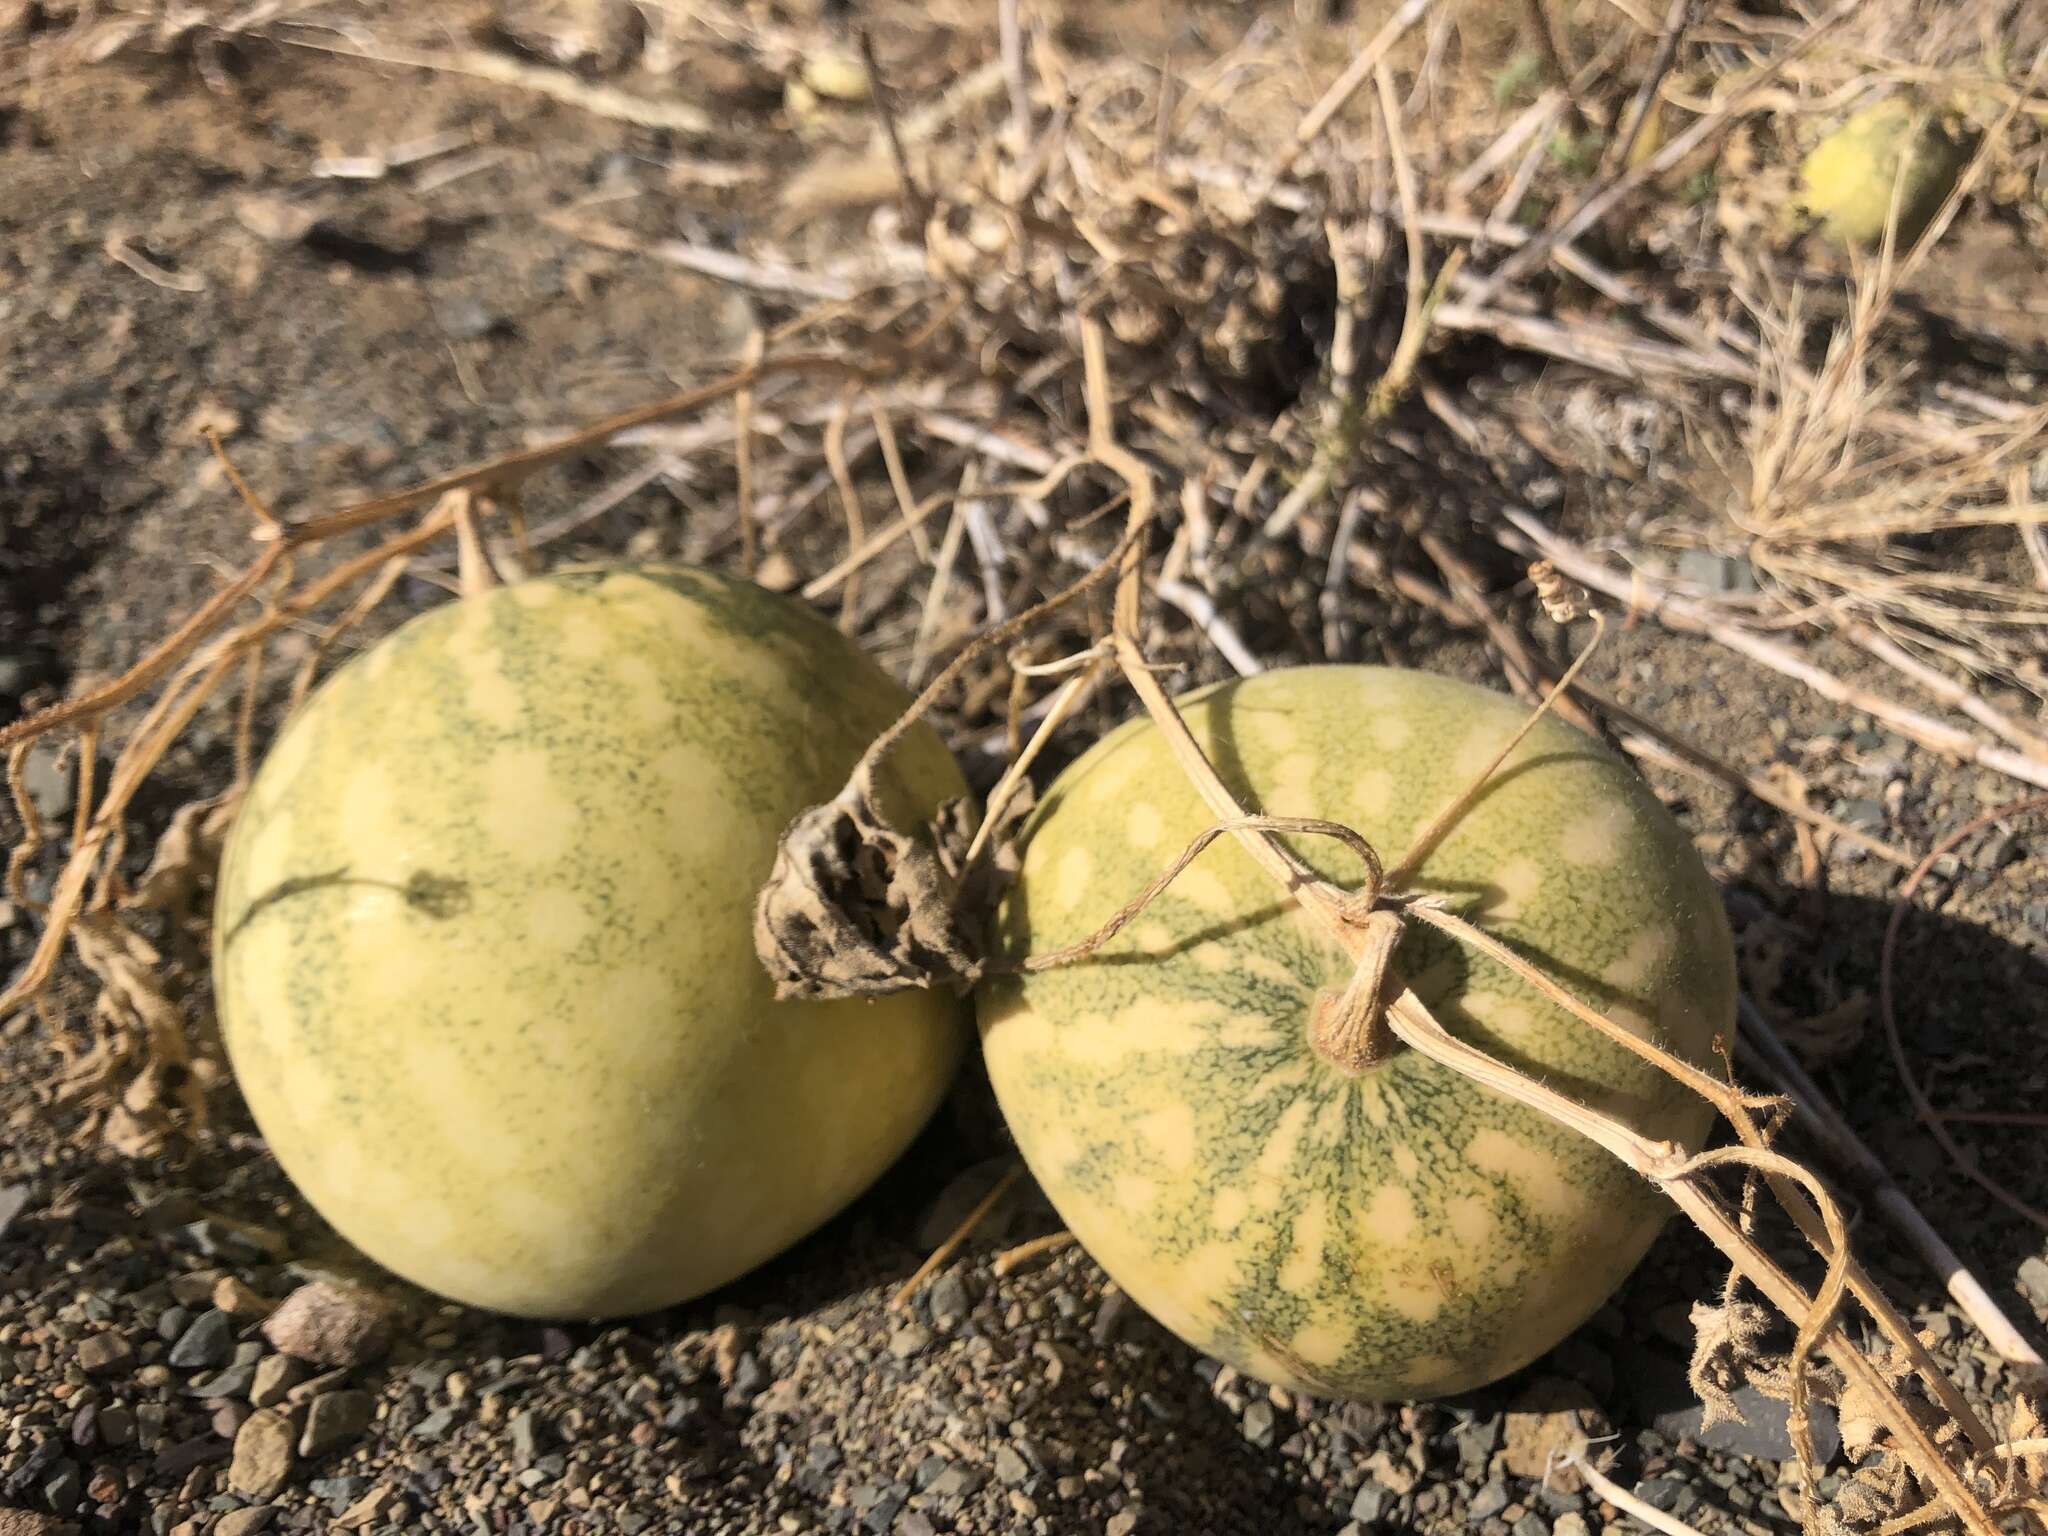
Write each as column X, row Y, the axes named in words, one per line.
column 434, row 1425
column 949, row 1300
column 178, row 1459
column 2033, row 1280
column 104, row 1352
column 525, row 1432
column 274, row 1377
column 1370, row 1503
column 748, row 1378
column 335, row 1420
column 206, row 1343
column 367, row 1510
column 238, row 1300
column 327, row 1324
column 13, row 1197
column 194, row 1290
column 881, row 1517
column 1259, row 1424
column 340, row 1492
column 232, row 1382
column 313, row 1386
column 1670, row 1494
column 262, row 1461
column 958, row 1481
column 62, row 1488
column 215, row 1239
column 47, row 776
column 908, row 1341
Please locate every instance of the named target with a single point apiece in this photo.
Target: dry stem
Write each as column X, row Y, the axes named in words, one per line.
column 1646, row 594
column 1758, row 1046
column 1681, row 1177
column 959, row 1235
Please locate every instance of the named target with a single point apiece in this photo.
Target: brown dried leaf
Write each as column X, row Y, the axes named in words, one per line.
column 1831, row 1035
column 1861, row 1502
column 855, row 908
column 2023, row 1474
column 186, row 855
column 1728, row 1354
column 2026, row 1420
column 1820, row 1520
column 1862, row 1419
column 141, row 1067
column 130, row 1134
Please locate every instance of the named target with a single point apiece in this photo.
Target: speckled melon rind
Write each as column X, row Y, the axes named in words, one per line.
column 483, row 944
column 1400, row 1234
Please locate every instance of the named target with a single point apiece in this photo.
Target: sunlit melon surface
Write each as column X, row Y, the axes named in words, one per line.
column 483, row 944
column 1401, row 1233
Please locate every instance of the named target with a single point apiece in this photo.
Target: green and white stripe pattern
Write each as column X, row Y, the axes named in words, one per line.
column 1401, row 1233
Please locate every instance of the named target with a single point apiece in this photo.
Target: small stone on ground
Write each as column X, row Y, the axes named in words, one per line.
column 335, row 1420
column 334, row 1325
column 262, row 1461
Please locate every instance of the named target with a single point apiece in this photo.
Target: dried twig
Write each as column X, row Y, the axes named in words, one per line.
column 731, row 267
column 1012, row 1259
column 1759, row 1047
column 119, row 250
column 1533, row 678
column 1655, row 1518
column 1011, row 32
column 1341, row 90
column 938, row 1256
column 479, row 64
column 1643, row 104
column 884, row 99
column 1803, row 1197
column 1537, row 21
column 1645, row 594
column 1596, row 203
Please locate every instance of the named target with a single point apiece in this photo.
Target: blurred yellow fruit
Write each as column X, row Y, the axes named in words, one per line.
column 1847, row 179
column 836, row 76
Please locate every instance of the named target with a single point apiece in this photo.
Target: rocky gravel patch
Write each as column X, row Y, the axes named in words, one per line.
column 1040, row 1402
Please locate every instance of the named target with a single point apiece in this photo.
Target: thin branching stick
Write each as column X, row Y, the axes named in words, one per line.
column 1680, row 1176
column 1644, row 594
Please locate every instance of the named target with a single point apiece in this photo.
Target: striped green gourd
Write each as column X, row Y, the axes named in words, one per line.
column 1400, row 1232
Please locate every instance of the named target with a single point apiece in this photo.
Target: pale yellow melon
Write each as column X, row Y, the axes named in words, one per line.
column 484, row 956
column 1404, row 1232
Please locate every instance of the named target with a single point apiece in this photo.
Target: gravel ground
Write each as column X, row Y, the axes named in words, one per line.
column 143, row 1383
